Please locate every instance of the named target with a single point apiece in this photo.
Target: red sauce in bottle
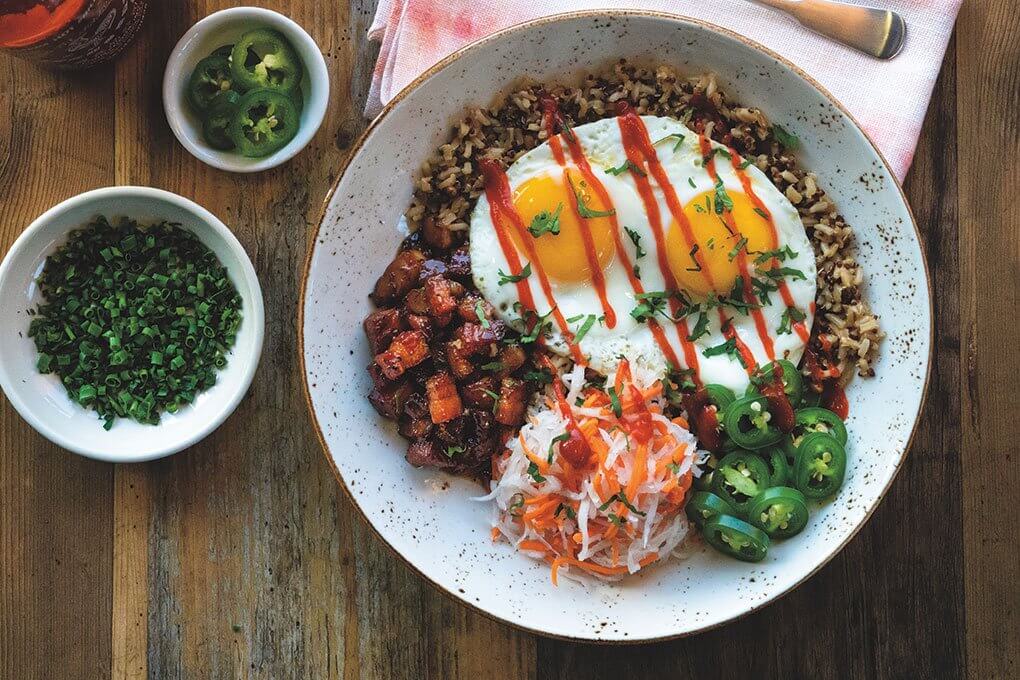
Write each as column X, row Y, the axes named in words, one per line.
column 71, row 34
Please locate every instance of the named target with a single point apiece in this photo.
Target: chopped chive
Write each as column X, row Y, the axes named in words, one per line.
column 135, row 320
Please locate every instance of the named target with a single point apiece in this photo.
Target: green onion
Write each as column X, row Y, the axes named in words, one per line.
column 136, row 320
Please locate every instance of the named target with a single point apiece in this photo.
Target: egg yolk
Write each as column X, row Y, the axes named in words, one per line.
column 716, row 245
column 548, row 201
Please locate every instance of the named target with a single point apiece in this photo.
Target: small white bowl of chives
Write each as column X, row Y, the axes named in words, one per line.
column 194, row 393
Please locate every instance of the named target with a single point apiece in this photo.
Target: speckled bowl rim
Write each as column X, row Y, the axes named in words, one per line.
column 480, row 44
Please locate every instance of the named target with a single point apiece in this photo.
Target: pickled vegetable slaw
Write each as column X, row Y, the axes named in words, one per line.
column 598, row 482
column 595, row 482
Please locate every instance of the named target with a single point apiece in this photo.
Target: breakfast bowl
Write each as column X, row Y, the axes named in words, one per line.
column 225, row 28
column 42, row 400
column 435, row 522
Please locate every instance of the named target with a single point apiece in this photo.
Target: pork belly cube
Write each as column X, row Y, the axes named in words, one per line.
column 408, row 349
column 512, row 401
column 399, row 277
column 444, row 401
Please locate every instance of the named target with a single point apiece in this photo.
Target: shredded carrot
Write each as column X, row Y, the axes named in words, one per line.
column 533, row 546
column 599, row 569
column 542, row 463
column 653, row 391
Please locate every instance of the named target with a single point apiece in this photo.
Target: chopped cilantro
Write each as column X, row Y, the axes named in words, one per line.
column 762, row 288
column 679, row 141
column 785, row 138
column 541, row 323
column 614, row 400
column 790, row 316
column 582, row 207
column 533, row 471
column 653, row 303
column 624, row 167
column 782, row 272
column 514, row 278
column 700, row 326
column 741, row 244
column 589, row 321
column 636, row 240
column 480, row 313
column 729, row 347
column 781, row 254
column 722, row 199
column 452, row 451
column 566, row 509
column 622, row 498
column 717, row 151
column 546, row 222
column 542, row 376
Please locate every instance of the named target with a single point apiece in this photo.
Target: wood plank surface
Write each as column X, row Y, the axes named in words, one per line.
column 241, row 558
column 989, row 137
column 55, row 507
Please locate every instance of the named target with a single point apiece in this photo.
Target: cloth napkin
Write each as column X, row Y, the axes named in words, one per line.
column 888, row 98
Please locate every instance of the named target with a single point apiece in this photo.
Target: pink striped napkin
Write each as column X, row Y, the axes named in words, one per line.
column 888, row 98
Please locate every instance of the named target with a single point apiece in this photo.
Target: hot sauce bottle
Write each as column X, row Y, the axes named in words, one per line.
column 69, row 34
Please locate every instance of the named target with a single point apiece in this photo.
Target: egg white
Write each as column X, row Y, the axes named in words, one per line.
column 604, row 149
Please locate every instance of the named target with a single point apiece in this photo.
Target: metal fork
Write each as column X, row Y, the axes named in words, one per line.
column 878, row 32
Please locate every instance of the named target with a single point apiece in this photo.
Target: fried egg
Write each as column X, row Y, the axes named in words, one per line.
column 685, row 239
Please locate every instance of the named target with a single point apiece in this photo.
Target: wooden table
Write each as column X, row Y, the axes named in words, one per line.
column 242, row 558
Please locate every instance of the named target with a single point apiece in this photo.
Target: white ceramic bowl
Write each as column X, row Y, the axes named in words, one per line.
column 434, row 526
column 223, row 28
column 42, row 400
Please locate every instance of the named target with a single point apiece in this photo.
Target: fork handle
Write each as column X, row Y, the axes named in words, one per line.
column 878, row 32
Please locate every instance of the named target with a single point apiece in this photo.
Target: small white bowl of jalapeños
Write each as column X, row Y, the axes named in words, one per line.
column 282, row 84
column 114, row 281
